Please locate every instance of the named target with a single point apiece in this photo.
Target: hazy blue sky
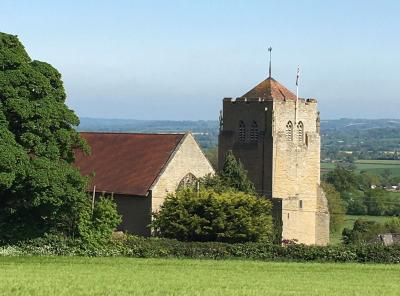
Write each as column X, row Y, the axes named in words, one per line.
column 178, row 59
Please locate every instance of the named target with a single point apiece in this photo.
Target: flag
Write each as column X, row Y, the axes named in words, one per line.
column 298, row 76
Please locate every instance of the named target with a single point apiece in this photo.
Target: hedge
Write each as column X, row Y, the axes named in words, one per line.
column 131, row 246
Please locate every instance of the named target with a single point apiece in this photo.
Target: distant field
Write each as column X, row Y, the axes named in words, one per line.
column 349, row 222
column 378, row 161
column 375, row 166
column 125, row 276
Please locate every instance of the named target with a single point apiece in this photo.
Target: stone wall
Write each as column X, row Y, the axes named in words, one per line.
column 256, row 156
column 281, row 168
column 188, row 158
column 296, row 173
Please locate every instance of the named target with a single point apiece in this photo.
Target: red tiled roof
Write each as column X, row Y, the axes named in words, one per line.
column 270, row 89
column 126, row 163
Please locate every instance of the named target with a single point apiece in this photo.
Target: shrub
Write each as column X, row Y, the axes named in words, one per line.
column 104, row 219
column 393, row 225
column 139, row 247
column 207, row 215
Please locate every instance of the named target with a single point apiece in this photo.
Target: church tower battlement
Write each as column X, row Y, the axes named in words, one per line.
column 277, row 138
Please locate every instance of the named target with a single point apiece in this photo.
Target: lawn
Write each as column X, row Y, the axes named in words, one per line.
column 126, row 276
column 374, row 166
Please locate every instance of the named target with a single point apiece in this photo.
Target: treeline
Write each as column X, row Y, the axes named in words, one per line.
column 364, row 139
column 362, row 142
column 363, row 193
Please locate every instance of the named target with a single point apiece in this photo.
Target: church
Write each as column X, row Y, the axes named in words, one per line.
column 276, row 136
column 273, row 132
column 139, row 171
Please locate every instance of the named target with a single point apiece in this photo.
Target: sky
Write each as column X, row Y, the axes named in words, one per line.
column 177, row 60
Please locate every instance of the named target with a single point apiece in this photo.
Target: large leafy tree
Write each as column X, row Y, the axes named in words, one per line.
column 40, row 190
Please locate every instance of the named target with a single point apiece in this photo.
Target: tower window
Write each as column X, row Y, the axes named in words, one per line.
column 242, row 131
column 254, row 132
column 300, row 131
column 289, row 131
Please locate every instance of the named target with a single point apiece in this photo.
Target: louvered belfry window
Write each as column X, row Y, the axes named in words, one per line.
column 242, row 132
column 254, row 132
column 289, row 131
column 300, row 131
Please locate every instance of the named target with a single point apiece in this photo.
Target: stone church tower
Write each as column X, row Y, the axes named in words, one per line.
column 277, row 138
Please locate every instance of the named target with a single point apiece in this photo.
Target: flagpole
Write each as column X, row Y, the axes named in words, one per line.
column 297, row 98
column 297, row 94
column 270, row 58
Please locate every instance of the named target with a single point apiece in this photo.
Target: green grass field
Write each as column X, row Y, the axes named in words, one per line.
column 125, row 276
column 374, row 166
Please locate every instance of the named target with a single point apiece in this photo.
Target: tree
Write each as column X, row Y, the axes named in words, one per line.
column 40, row 191
column 337, row 209
column 367, row 179
column 355, row 202
column 232, row 175
column 363, row 232
column 386, row 176
column 343, row 178
column 376, row 201
column 207, row 215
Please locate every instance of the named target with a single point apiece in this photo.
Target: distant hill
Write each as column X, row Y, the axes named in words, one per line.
column 359, row 124
column 341, row 138
column 133, row 125
column 205, row 131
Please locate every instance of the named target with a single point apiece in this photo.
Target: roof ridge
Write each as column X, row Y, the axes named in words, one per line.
column 270, row 89
column 128, row 133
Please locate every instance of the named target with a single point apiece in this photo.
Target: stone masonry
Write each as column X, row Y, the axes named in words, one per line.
column 187, row 159
column 276, row 137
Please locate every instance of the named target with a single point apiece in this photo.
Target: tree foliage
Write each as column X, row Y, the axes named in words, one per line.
column 233, row 176
column 343, row 178
column 367, row 231
column 102, row 222
column 337, row 209
column 358, row 194
column 40, row 191
column 207, row 215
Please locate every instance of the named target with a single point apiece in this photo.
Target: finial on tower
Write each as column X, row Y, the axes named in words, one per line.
column 270, row 57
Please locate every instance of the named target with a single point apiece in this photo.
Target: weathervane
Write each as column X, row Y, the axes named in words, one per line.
column 270, row 57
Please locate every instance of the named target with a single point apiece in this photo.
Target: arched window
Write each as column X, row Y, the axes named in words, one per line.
column 300, row 131
column 242, row 132
column 254, row 132
column 289, row 131
column 188, row 181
